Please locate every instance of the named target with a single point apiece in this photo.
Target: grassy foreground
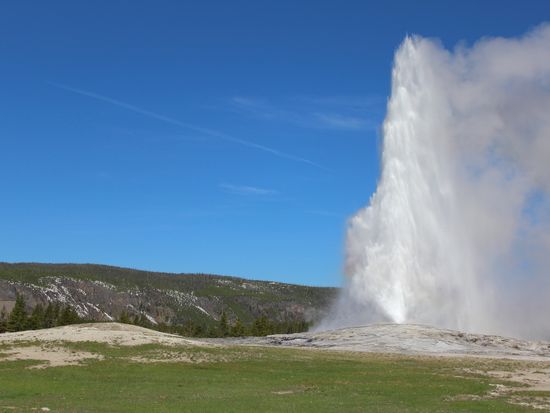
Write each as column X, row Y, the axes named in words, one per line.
column 248, row 379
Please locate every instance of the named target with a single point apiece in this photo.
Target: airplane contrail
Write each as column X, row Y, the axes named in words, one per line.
column 166, row 119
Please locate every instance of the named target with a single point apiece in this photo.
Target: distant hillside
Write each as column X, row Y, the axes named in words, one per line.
column 102, row 293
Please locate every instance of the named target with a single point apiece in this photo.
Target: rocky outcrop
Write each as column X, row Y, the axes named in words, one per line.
column 103, row 293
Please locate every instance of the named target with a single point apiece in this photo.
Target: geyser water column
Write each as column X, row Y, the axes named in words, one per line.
column 401, row 249
column 466, row 145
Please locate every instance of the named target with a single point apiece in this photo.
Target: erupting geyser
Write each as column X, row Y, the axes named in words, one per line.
column 457, row 234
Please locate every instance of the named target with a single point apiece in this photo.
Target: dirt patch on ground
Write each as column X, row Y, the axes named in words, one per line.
column 520, row 387
column 47, row 345
column 54, row 355
column 111, row 333
column 300, row 389
column 51, row 356
column 179, row 357
column 535, row 378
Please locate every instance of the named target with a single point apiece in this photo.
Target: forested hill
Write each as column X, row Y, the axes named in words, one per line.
column 99, row 292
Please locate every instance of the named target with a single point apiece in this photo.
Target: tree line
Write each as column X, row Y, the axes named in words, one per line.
column 53, row 315
column 57, row 314
column 261, row 326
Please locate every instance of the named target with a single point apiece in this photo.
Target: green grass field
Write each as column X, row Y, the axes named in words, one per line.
column 249, row 379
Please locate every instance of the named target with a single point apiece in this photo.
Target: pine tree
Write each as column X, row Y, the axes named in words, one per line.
column 49, row 316
column 36, row 320
column 3, row 320
column 238, row 329
column 212, row 332
column 124, row 318
column 198, row 331
column 67, row 316
column 224, row 326
column 261, row 326
column 17, row 320
column 56, row 309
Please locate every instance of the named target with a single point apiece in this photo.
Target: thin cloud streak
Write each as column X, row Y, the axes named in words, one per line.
column 338, row 113
column 247, row 190
column 172, row 121
column 338, row 121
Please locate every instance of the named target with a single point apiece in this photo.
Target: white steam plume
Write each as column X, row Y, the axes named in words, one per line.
column 457, row 234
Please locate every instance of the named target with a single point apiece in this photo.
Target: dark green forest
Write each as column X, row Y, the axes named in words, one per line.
column 53, row 315
column 56, row 314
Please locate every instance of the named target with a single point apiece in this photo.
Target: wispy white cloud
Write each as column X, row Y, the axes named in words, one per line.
column 338, row 121
column 331, row 112
column 247, row 190
column 200, row 129
column 261, row 108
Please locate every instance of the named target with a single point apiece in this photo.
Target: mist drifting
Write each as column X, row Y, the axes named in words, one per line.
column 457, row 234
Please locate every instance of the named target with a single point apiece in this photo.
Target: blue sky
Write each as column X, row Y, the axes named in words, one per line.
column 220, row 137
